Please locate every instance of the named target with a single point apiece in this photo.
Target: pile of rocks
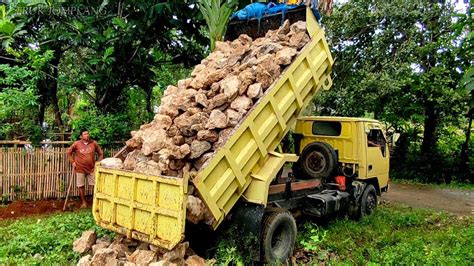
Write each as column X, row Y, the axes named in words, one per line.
column 197, row 116
column 126, row 252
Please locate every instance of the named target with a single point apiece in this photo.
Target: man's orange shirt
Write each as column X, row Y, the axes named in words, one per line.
column 84, row 155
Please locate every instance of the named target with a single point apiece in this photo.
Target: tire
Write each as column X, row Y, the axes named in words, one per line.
column 368, row 202
column 278, row 237
column 366, row 205
column 317, row 161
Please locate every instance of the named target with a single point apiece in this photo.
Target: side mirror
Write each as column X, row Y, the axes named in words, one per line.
column 395, row 138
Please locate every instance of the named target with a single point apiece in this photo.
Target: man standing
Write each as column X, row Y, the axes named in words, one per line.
column 82, row 156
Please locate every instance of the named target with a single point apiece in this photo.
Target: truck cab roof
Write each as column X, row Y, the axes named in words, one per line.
column 337, row 118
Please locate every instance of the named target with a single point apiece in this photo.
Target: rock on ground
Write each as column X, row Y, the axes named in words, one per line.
column 104, row 256
column 195, row 260
column 124, row 251
column 85, row 242
column 142, row 257
column 84, row 261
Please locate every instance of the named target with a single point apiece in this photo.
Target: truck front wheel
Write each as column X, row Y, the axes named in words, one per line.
column 368, row 201
column 278, row 237
column 366, row 205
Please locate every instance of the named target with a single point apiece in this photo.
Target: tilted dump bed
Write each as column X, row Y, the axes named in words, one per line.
column 153, row 208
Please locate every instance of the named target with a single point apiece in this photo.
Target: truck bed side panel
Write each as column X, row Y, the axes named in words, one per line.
column 228, row 174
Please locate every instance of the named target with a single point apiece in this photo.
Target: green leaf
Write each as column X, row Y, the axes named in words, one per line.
column 119, row 22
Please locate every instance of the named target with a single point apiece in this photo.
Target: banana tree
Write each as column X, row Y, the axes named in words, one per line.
column 217, row 14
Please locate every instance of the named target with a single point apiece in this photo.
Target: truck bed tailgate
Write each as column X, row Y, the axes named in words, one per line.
column 145, row 207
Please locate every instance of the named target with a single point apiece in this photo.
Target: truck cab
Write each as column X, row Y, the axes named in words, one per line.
column 359, row 145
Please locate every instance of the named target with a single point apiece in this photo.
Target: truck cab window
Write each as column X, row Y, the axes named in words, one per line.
column 327, row 128
column 375, row 138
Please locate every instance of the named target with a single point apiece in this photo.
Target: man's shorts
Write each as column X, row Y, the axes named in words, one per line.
column 81, row 179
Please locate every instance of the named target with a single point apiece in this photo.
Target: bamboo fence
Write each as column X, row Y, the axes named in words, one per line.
column 38, row 173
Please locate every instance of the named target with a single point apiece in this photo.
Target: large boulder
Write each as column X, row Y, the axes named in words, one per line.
column 255, row 91
column 84, row 261
column 133, row 158
column 163, row 121
column 112, row 163
column 85, row 242
column 217, row 119
column 208, row 135
column 267, row 72
column 241, row 104
column 120, row 248
column 230, row 86
column 196, row 211
column 285, row 56
column 142, row 257
column 195, row 260
column 299, row 40
column 154, row 140
column 246, row 77
column 99, row 245
column 177, row 253
column 233, row 116
column 198, row 148
column 104, row 256
column 217, row 101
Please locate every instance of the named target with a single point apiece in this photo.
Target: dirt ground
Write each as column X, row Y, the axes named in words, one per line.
column 456, row 201
column 22, row 208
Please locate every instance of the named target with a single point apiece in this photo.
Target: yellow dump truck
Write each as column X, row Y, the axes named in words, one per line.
column 334, row 168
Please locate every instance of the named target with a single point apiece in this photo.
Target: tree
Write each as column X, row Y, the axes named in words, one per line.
column 386, row 58
column 400, row 62
column 18, row 103
column 101, row 49
column 462, row 27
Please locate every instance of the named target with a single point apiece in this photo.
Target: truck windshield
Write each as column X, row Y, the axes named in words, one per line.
column 326, row 128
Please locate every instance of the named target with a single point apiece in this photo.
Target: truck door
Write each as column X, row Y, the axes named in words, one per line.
column 377, row 154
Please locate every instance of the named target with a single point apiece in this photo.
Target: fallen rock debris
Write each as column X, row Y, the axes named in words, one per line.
column 124, row 251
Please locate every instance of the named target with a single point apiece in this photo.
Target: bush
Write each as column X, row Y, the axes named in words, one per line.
column 104, row 128
column 18, row 104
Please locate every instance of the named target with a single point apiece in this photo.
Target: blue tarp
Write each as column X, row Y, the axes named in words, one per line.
column 258, row 10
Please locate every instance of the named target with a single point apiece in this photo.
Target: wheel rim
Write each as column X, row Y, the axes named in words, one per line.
column 280, row 238
column 316, row 162
column 371, row 202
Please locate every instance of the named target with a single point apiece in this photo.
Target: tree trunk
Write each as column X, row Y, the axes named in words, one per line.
column 464, row 160
column 54, row 90
column 149, row 98
column 42, row 110
column 428, row 145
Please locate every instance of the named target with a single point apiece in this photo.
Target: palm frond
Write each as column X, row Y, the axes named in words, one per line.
column 217, row 14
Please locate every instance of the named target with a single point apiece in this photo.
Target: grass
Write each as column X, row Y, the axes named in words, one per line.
column 394, row 234
column 50, row 237
column 452, row 185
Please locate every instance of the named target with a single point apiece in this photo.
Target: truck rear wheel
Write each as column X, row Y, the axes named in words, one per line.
column 278, row 237
column 317, row 161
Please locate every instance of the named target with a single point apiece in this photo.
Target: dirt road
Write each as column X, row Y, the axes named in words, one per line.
column 451, row 200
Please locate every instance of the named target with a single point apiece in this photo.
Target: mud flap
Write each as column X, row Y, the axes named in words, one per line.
column 248, row 217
